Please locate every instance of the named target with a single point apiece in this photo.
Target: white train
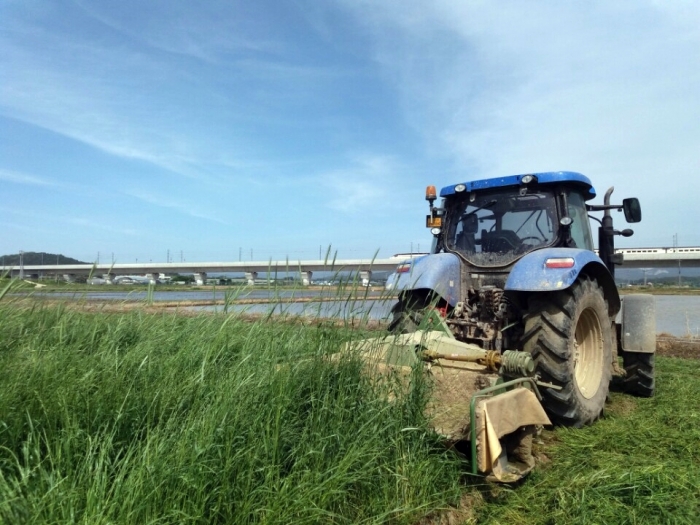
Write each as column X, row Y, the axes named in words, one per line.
column 686, row 256
column 685, row 249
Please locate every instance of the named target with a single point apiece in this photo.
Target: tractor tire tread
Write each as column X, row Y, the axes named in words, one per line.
column 639, row 379
column 550, row 325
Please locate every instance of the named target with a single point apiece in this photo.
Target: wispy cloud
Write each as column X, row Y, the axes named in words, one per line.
column 139, row 107
column 607, row 88
column 365, row 185
column 92, row 223
column 17, row 177
column 89, row 223
column 105, row 96
column 203, row 32
column 173, row 203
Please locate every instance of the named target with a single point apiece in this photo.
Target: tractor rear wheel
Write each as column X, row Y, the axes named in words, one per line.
column 639, row 379
column 409, row 311
column 569, row 335
column 405, row 321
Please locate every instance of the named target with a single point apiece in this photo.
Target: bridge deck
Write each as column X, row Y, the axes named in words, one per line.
column 685, row 257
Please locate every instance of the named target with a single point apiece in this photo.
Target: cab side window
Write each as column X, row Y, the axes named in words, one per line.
column 581, row 227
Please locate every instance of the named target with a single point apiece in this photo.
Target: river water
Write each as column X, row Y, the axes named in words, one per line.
column 677, row 315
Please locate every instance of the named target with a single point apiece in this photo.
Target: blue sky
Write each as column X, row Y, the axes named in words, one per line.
column 224, row 129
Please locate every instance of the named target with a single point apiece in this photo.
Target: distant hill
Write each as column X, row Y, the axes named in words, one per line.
column 32, row 258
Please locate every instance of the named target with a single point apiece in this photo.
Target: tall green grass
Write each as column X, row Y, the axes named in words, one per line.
column 142, row 418
column 147, row 418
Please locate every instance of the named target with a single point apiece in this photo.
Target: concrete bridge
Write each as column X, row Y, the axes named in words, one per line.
column 250, row 269
column 678, row 257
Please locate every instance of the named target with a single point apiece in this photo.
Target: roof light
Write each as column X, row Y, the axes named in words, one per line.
column 460, row 188
column 527, row 179
column 430, row 193
column 435, row 231
column 559, row 262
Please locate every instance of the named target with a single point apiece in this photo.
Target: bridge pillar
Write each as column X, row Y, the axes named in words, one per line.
column 200, row 278
column 305, row 278
column 365, row 277
column 250, row 277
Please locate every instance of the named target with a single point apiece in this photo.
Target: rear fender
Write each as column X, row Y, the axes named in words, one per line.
column 531, row 275
column 438, row 273
column 638, row 323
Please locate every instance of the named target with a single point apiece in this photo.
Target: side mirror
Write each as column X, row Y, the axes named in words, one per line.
column 632, row 209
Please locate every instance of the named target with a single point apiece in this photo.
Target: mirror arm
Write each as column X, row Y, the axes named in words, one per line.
column 603, row 207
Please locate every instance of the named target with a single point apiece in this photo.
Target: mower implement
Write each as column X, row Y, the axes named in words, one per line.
column 487, row 398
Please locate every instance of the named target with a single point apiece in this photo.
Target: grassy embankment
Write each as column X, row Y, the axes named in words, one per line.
column 141, row 418
column 144, row 418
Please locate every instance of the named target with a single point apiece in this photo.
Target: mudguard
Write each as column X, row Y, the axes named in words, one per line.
column 638, row 323
column 438, row 272
column 531, row 275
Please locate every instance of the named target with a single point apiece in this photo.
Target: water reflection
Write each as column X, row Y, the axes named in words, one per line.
column 675, row 314
column 379, row 309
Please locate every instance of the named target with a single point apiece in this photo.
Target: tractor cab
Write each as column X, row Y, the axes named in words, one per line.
column 491, row 225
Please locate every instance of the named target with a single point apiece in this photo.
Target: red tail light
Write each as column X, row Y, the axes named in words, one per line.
column 559, row 262
column 403, row 268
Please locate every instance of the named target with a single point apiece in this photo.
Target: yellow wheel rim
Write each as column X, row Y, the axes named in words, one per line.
column 588, row 353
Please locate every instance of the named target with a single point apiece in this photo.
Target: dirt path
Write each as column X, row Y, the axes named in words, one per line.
column 683, row 347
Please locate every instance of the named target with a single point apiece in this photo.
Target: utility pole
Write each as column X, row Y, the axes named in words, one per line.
column 644, row 271
column 675, row 248
column 240, row 254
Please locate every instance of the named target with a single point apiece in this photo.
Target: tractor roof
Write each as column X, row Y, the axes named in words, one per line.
column 549, row 177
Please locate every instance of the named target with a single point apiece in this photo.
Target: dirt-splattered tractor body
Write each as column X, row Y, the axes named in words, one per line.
column 513, row 272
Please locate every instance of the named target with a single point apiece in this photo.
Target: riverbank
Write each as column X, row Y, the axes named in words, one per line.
column 668, row 345
column 659, row 290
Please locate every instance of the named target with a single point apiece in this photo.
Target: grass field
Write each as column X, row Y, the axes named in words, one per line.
column 159, row 418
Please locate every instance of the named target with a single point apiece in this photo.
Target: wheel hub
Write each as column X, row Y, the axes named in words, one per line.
column 588, row 353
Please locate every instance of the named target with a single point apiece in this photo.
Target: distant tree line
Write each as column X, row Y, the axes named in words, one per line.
column 33, row 258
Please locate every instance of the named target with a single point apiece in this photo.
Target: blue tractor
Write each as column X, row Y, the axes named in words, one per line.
column 513, row 267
